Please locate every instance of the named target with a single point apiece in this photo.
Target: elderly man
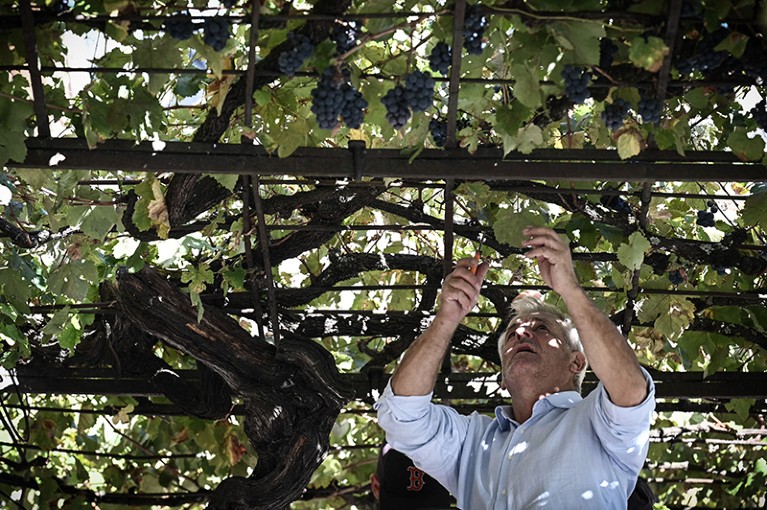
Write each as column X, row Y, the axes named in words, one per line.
column 551, row 447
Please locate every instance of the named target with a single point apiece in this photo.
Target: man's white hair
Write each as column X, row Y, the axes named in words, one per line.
column 526, row 307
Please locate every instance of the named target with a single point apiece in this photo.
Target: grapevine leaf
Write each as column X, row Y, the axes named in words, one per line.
column 735, row 43
column 742, row 408
column 508, row 225
column 632, row 254
column 583, row 37
column 671, row 314
column 529, row 138
column 755, row 209
column 99, row 221
column 747, row 149
column 629, row 144
column 648, row 53
column 527, row 88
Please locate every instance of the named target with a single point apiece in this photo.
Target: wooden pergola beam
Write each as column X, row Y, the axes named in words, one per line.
column 484, row 164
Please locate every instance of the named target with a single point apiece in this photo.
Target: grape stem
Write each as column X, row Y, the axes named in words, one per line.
column 372, row 37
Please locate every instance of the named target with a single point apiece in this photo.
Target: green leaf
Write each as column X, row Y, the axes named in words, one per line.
column 509, row 223
column 742, row 408
column 755, row 209
column 648, row 53
column 99, row 221
column 632, row 254
column 629, row 144
column 735, row 43
column 228, row 181
column 197, row 277
column 747, row 149
column 527, row 89
column 530, row 137
column 582, row 37
column 671, row 314
column 698, row 97
column 73, row 279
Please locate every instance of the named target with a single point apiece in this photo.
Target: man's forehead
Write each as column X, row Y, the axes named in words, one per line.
column 533, row 318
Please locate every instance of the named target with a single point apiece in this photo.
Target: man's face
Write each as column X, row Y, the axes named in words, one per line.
column 535, row 352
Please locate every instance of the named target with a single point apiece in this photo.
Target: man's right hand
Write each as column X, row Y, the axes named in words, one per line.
column 460, row 290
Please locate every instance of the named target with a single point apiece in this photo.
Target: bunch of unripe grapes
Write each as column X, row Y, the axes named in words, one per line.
column 216, row 32
column 180, row 26
column 706, row 216
column 650, row 109
column 335, row 97
column 614, row 114
column 440, row 58
column 299, row 49
column 577, row 82
column 474, row 25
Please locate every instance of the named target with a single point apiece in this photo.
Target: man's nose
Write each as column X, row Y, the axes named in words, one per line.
column 523, row 332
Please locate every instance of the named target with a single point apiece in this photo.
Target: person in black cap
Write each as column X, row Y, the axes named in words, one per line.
column 398, row 485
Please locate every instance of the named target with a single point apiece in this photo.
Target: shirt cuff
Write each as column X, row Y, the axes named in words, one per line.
column 403, row 408
column 642, row 411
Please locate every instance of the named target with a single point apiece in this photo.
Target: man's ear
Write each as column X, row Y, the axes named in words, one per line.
column 375, row 486
column 578, row 363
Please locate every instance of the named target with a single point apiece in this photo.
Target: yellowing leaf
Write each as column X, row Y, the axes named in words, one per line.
column 629, row 144
column 648, row 53
column 158, row 211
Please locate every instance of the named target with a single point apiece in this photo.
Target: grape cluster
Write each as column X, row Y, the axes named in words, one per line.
column 229, row 3
column 577, row 82
column 397, row 111
column 61, row 6
column 676, row 277
column 753, row 62
column 607, row 52
column 691, row 9
column 334, row 96
column 419, row 91
column 706, row 216
column 706, row 59
column 438, row 130
column 759, row 113
column 345, row 34
column 180, row 26
column 616, row 203
column 650, row 109
column 353, row 110
column 721, row 270
column 440, row 58
column 216, row 32
column 299, row 49
column 474, row 25
column 614, row 114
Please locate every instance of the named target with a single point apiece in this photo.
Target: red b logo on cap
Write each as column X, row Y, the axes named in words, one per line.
column 416, row 479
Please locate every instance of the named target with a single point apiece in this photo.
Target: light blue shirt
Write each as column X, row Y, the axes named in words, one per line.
column 572, row 453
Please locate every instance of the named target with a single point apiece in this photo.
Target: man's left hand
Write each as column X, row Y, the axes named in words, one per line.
column 554, row 259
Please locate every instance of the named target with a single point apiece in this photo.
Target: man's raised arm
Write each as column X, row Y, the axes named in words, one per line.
column 607, row 351
column 417, row 373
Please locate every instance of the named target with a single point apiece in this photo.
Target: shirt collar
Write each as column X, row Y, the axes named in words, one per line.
column 562, row 399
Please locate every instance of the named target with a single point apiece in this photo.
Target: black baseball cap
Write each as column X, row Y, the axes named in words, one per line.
column 405, row 487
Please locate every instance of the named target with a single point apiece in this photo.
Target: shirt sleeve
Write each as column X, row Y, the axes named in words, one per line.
column 624, row 431
column 427, row 433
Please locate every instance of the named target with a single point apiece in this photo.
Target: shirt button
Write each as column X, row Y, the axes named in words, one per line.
column 503, row 492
